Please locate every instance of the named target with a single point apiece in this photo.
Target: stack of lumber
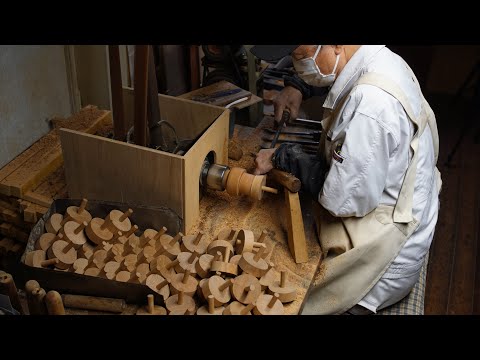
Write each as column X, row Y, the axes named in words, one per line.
column 31, row 181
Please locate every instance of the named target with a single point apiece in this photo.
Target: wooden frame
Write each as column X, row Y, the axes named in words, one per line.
column 98, row 168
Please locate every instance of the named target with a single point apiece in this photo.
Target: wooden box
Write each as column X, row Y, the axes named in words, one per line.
column 99, row 168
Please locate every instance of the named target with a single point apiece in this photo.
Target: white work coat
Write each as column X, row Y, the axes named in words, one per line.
column 368, row 151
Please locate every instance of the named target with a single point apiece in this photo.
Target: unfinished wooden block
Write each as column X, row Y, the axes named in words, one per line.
column 102, row 256
column 151, row 308
column 187, row 261
column 81, row 264
column 159, row 284
column 253, row 263
column 111, row 269
column 194, row 243
column 184, row 282
column 92, row 271
column 219, row 288
column 53, row 223
column 78, row 213
column 236, row 308
column 126, row 276
column 46, row 240
column 210, row 309
column 287, row 292
column 98, row 231
column 64, row 252
column 38, row 258
column 246, row 288
column 180, row 304
column 268, row 305
column 119, row 221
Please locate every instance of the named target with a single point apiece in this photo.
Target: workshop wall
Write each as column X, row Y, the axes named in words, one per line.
column 33, row 89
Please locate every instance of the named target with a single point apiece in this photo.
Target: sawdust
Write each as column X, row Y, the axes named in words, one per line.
column 82, row 120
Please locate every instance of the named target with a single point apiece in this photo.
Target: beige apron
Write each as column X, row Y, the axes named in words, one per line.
column 358, row 251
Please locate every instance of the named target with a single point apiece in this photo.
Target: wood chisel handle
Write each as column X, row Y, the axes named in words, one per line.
column 285, row 179
column 285, row 118
column 94, row 303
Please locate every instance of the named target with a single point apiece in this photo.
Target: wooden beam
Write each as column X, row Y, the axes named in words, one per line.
column 119, row 124
column 194, row 68
column 153, row 110
column 140, row 88
column 296, row 232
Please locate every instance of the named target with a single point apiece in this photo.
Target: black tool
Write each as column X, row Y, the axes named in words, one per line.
column 296, row 141
column 314, row 134
column 285, row 118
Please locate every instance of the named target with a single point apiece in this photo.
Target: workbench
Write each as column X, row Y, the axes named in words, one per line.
column 219, row 210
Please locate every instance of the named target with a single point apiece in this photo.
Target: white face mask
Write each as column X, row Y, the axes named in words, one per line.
column 309, row 71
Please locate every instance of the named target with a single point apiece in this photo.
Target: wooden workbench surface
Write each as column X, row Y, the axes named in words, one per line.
column 219, row 210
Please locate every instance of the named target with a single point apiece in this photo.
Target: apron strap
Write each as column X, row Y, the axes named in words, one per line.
column 403, row 207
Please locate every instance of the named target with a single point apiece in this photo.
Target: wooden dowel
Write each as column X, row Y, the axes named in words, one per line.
column 224, row 285
column 283, row 278
column 66, row 219
column 131, row 231
column 211, row 304
column 185, row 276
column 125, row 215
column 54, row 303
column 175, row 239
column 262, row 236
column 180, row 298
column 67, row 248
column 198, row 238
column 172, row 264
column 80, row 227
column 273, row 300
column 151, row 304
column 226, row 256
column 269, row 189
column 160, row 232
column 247, row 308
column 259, row 253
column 49, row 262
column 192, row 257
column 83, row 204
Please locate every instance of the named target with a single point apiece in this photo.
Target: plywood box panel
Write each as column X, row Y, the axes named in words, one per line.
column 104, row 169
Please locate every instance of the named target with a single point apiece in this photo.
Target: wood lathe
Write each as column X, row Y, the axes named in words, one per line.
column 235, row 180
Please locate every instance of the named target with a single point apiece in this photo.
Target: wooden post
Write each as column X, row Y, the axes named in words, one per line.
column 296, row 232
column 140, row 88
column 119, row 122
column 153, row 110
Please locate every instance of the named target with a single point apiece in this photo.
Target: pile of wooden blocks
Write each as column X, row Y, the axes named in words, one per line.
column 30, row 182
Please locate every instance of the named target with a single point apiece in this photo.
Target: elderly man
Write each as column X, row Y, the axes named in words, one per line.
column 375, row 177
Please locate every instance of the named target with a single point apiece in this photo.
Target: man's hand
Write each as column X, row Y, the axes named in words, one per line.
column 289, row 98
column 263, row 161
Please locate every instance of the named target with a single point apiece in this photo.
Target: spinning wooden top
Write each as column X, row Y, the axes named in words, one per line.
column 155, row 236
column 37, row 258
column 194, row 243
column 286, row 292
column 159, row 284
column 46, row 240
column 118, row 221
column 227, row 234
column 236, row 308
column 180, row 304
column 86, row 250
column 268, row 305
column 164, row 265
column 184, row 282
column 219, row 288
column 270, row 277
column 81, row 264
column 125, row 237
column 64, row 252
column 98, row 231
column 171, row 245
column 246, row 288
column 224, row 266
column 202, row 266
column 53, row 223
column 142, row 272
column 253, row 263
column 246, row 241
column 187, row 261
column 79, row 214
column 151, row 308
column 220, row 245
column 210, row 309
column 239, row 182
column 73, row 232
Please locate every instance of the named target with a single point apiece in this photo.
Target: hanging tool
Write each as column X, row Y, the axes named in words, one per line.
column 283, row 120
